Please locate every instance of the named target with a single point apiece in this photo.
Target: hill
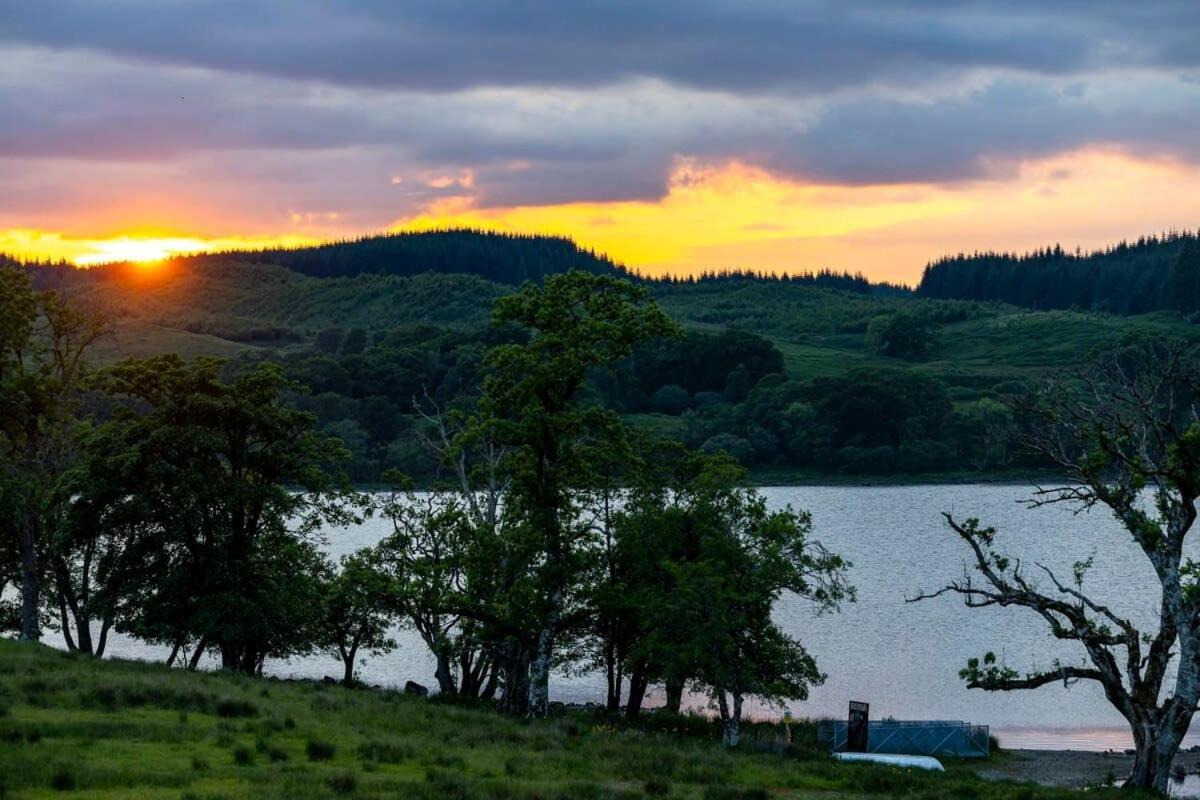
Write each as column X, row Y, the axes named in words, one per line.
column 1149, row 274
column 223, row 307
column 503, row 258
column 789, row 375
column 124, row 729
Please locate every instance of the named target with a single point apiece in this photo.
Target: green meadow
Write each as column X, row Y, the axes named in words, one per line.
column 73, row 727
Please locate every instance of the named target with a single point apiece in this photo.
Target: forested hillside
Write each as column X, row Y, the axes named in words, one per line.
column 1155, row 272
column 503, row 258
column 812, row 375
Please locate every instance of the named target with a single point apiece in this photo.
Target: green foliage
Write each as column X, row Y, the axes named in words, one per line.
column 1183, row 282
column 43, row 343
column 697, row 563
column 504, row 258
column 1128, row 278
column 427, row 333
column 987, row 674
column 210, row 488
column 556, row 445
column 243, row 756
column 145, row 752
column 671, row 399
column 355, row 611
column 319, row 750
column 343, row 782
column 905, row 336
column 63, row 779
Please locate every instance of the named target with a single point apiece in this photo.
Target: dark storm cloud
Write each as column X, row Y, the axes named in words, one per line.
column 878, row 140
column 444, row 45
column 318, row 105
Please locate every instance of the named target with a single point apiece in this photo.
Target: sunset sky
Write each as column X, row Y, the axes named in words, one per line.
column 675, row 136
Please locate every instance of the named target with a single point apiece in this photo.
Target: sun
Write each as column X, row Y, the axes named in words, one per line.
column 141, row 251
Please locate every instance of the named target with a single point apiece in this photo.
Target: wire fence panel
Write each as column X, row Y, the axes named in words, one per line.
column 916, row 738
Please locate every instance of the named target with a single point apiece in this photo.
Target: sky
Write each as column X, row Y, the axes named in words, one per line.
column 676, row 136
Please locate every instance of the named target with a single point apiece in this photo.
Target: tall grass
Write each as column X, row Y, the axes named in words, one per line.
column 124, row 729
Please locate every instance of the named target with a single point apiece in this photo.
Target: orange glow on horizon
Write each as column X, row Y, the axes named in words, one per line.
column 140, row 248
column 734, row 215
column 738, row 216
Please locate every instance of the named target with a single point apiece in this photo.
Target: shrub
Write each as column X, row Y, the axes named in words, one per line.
column 277, row 754
column 671, row 399
column 657, row 787
column 230, row 708
column 386, row 752
column 447, row 785
column 905, row 336
column 736, row 446
column 343, row 783
column 319, row 750
column 63, row 779
column 733, row 793
column 243, row 756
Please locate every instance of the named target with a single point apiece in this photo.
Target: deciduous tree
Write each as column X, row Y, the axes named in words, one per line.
column 355, row 607
column 43, row 341
column 233, row 487
column 575, row 323
column 1125, row 431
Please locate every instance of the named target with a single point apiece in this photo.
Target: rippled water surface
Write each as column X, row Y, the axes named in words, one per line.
column 903, row 658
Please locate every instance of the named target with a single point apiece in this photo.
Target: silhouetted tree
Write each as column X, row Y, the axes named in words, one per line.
column 1126, row 432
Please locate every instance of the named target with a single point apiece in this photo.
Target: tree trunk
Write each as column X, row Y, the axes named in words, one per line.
column 674, row 696
column 31, row 587
column 515, row 698
column 175, row 648
column 539, row 668
column 493, row 681
column 201, row 646
column 637, row 694
column 1155, row 745
column 615, row 680
column 444, row 675
column 75, row 601
column 348, row 670
column 65, row 623
column 731, row 729
column 105, row 627
column 478, row 674
column 242, row 658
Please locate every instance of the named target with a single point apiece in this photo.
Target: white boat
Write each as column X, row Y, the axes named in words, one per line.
column 892, row 760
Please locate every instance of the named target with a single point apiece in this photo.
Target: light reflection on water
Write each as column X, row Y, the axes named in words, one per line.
column 901, row 657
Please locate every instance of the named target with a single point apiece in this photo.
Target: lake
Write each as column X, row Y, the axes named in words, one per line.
column 903, row 658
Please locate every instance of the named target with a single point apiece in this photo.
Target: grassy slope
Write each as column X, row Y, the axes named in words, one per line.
column 821, row 332
column 222, row 309
column 218, row 308
column 119, row 729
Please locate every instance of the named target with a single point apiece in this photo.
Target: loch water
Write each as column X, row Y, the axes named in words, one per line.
column 901, row 657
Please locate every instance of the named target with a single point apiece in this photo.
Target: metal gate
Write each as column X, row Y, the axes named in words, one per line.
column 917, row 738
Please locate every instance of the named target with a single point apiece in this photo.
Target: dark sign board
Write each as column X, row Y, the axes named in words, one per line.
column 858, row 734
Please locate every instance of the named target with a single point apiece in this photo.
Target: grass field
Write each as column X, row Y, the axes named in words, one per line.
column 227, row 308
column 71, row 727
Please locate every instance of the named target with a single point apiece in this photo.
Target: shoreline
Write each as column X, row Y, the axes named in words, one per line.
column 783, row 480
column 1076, row 768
